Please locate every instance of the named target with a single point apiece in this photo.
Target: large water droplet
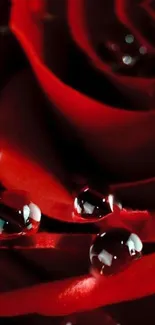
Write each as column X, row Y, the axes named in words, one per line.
column 113, row 251
column 91, row 205
column 18, row 215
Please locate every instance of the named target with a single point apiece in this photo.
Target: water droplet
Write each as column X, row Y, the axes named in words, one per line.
column 114, row 251
column 143, row 50
column 18, row 215
column 91, row 205
column 129, row 38
column 127, row 59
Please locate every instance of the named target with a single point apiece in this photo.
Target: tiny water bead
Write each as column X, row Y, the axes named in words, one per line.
column 112, row 251
column 126, row 55
column 89, row 204
column 129, row 38
column 127, row 59
column 18, row 215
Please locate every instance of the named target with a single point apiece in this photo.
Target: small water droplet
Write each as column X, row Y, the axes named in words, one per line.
column 18, row 215
column 143, row 50
column 113, row 252
column 89, row 204
column 127, row 59
column 129, row 38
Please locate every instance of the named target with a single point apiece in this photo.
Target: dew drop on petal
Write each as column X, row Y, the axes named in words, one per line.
column 143, row 50
column 112, row 251
column 127, row 59
column 18, row 215
column 89, row 204
column 129, row 38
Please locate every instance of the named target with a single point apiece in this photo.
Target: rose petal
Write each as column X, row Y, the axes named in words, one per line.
column 83, row 293
column 43, row 189
column 118, row 133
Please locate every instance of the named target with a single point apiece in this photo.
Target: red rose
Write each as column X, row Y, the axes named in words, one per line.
column 120, row 140
column 114, row 134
